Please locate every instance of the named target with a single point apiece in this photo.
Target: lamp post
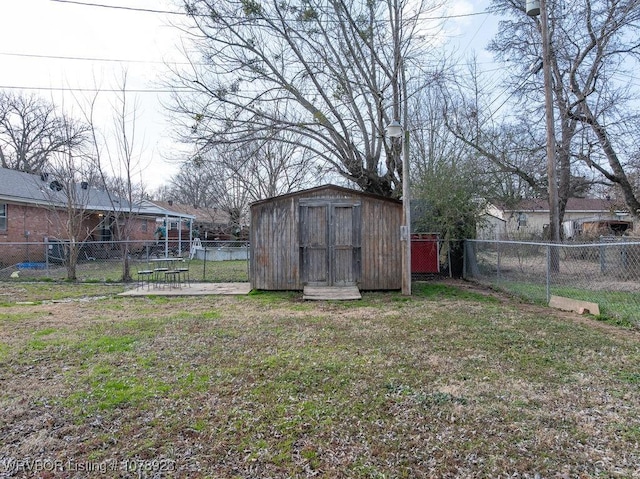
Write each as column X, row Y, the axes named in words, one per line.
column 395, row 130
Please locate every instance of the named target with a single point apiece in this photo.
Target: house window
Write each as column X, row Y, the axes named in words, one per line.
column 522, row 220
column 3, row 217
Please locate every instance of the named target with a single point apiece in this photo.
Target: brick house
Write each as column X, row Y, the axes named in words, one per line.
column 33, row 209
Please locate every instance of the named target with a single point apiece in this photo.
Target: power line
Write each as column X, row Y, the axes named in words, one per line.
column 461, row 15
column 170, row 12
column 120, row 7
column 476, row 33
column 62, row 57
column 116, row 60
column 95, row 90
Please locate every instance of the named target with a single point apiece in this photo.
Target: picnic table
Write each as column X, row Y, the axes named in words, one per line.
column 155, row 250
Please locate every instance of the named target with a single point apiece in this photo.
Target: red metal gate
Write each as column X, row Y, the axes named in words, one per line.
column 425, row 254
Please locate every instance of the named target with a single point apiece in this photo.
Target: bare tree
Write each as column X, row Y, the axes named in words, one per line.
column 69, row 202
column 194, row 184
column 228, row 177
column 512, row 142
column 594, row 44
column 32, row 131
column 233, row 198
column 275, row 167
column 507, row 145
column 449, row 183
column 326, row 71
column 161, row 193
column 117, row 157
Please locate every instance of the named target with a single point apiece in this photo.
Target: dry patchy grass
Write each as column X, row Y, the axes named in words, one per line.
column 449, row 383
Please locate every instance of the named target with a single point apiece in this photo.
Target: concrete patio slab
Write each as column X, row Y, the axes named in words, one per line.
column 194, row 289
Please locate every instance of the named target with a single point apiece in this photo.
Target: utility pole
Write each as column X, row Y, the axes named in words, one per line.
column 535, row 8
column 406, row 194
column 554, row 210
column 396, row 130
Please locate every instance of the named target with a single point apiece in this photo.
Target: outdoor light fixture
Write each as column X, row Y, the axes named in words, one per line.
column 533, row 8
column 394, row 129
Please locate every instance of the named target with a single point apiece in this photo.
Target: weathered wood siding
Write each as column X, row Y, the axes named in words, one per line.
column 275, row 262
column 381, row 245
column 276, row 240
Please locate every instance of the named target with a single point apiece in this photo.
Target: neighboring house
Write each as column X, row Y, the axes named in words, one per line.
column 491, row 225
column 529, row 219
column 33, row 209
column 208, row 223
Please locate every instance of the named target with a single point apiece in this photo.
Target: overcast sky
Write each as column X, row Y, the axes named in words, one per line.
column 48, row 46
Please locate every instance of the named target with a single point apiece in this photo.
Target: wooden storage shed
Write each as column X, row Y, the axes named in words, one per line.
column 326, row 236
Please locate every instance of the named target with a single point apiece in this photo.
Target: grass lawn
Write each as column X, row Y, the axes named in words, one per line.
column 451, row 382
column 620, row 307
column 111, row 271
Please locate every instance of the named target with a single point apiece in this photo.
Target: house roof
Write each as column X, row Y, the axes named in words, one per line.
column 152, row 208
column 46, row 191
column 574, row 205
column 200, row 214
column 342, row 189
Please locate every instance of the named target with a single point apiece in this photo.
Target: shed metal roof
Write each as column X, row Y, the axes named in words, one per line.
column 347, row 191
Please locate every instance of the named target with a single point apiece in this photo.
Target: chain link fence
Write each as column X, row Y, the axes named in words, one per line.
column 97, row 261
column 208, row 261
column 606, row 272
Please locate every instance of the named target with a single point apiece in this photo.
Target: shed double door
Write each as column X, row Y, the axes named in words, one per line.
column 330, row 242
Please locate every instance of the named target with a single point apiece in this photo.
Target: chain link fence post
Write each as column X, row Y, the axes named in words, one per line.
column 606, row 272
column 548, row 275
